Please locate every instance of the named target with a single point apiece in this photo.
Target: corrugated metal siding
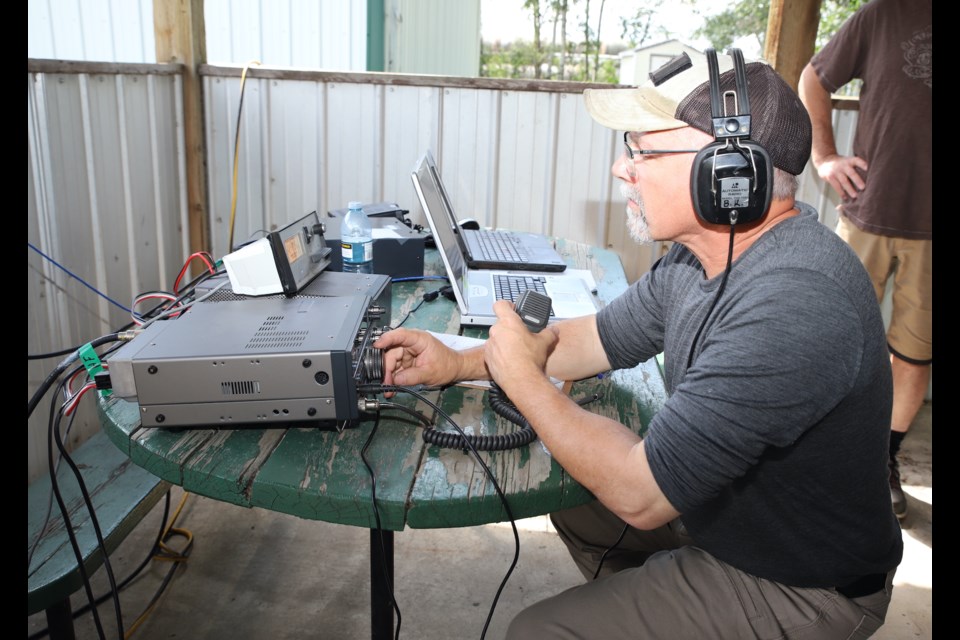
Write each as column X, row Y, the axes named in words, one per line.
column 422, row 36
column 324, row 34
column 107, row 202
column 532, row 161
column 100, row 30
column 432, row 36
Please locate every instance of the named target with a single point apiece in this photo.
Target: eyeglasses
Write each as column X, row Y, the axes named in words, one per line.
column 632, row 154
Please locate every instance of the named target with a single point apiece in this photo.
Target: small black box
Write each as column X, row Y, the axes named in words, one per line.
column 397, row 249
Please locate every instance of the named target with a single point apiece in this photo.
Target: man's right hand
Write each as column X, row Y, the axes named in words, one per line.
column 412, row 357
column 841, row 173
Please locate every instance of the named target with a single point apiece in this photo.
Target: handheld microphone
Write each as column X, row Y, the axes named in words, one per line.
column 534, row 309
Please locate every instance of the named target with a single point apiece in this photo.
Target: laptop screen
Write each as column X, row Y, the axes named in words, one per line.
column 435, row 208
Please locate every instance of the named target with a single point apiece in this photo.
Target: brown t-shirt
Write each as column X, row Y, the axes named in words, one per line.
column 888, row 44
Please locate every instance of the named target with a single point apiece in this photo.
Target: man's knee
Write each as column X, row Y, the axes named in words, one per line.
column 525, row 625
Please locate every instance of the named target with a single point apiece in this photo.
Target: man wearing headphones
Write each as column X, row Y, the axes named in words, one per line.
column 756, row 504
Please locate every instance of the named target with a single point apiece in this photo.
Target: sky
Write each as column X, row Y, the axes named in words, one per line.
column 507, row 20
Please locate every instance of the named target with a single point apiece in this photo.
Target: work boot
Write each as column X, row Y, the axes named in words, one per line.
column 897, row 498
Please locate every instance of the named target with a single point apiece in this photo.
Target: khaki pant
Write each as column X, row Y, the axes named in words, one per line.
column 910, row 264
column 656, row 585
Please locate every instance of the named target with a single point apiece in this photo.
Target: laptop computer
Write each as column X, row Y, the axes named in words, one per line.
column 476, row 290
column 493, row 249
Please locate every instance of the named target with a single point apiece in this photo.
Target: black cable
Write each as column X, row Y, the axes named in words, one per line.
column 66, row 362
column 378, row 388
column 376, row 515
column 609, row 549
column 46, row 518
column 52, row 354
column 68, row 526
column 716, row 299
column 187, row 290
column 42, row 633
column 502, row 406
column 413, row 412
column 96, row 528
column 429, row 296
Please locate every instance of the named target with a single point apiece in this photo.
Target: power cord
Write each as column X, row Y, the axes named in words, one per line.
column 158, row 551
column 379, row 388
column 609, row 549
column 55, row 436
column 376, row 515
column 429, row 296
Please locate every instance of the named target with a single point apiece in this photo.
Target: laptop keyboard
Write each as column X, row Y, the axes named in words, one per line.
column 507, row 287
column 500, row 247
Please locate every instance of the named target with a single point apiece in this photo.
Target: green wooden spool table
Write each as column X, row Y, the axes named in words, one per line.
column 318, row 474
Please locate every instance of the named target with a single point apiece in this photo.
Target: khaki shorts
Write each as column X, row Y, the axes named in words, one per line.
column 910, row 263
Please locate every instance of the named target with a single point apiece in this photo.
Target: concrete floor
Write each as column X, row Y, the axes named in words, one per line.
column 255, row 574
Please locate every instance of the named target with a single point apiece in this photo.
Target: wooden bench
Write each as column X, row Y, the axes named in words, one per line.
column 122, row 494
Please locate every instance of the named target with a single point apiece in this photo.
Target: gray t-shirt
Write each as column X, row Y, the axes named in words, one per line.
column 773, row 444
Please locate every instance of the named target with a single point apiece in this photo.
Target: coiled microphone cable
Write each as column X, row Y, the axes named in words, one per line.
column 503, row 407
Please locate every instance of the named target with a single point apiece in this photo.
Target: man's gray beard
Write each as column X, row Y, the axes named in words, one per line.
column 636, row 220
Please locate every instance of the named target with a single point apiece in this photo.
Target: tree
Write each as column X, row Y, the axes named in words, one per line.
column 534, row 6
column 833, row 13
column 560, row 9
column 596, row 55
column 639, row 27
column 586, row 41
column 749, row 18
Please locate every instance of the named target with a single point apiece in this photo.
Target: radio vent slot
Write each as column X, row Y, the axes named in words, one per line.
column 268, row 337
column 240, row 388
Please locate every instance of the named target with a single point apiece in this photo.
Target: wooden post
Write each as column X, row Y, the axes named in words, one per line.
column 791, row 35
column 180, row 37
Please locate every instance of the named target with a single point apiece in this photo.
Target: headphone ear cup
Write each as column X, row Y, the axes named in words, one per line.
column 701, row 188
column 729, row 177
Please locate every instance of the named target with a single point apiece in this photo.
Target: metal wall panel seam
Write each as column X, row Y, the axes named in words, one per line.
column 180, row 149
column 95, row 226
column 494, row 159
column 268, row 212
column 319, row 188
column 550, row 168
column 379, row 150
column 134, row 282
column 325, row 144
column 209, row 133
column 606, row 193
column 46, row 202
column 160, row 240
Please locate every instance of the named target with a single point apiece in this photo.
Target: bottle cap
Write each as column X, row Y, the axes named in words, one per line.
column 354, row 204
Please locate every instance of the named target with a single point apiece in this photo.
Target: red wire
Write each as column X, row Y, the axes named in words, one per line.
column 153, row 296
column 204, row 256
column 72, row 403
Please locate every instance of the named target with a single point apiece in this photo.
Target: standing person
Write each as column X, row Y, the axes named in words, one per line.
column 756, row 504
column 885, row 187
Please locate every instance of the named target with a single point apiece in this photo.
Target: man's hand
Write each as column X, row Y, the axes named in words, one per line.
column 412, row 357
column 841, row 173
column 513, row 352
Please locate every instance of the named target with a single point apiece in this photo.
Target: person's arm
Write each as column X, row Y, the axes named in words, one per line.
column 840, row 172
column 600, row 453
column 412, row 357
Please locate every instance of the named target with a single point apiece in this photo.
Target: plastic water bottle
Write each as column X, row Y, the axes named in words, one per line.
column 356, row 240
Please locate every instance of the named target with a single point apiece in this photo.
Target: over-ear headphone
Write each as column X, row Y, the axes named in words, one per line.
column 732, row 178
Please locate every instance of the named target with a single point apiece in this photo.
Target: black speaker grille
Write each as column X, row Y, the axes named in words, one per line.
column 240, row 388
